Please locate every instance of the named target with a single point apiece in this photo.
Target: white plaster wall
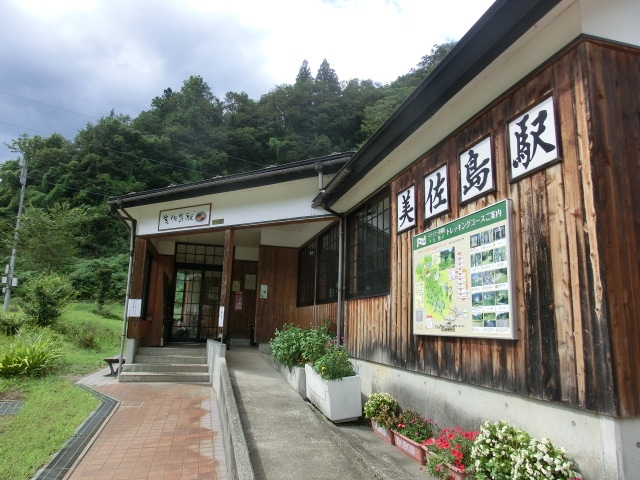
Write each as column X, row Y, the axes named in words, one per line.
column 269, row 203
column 603, row 447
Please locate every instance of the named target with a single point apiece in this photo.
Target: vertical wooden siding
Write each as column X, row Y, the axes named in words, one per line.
column 576, row 267
column 278, row 270
column 614, row 105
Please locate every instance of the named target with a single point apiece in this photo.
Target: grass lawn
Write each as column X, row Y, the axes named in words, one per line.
column 53, row 406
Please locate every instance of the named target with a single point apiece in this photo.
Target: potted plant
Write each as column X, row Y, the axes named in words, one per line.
column 381, row 408
column 542, row 459
column 410, row 430
column 333, row 386
column 292, row 347
column 449, row 454
column 504, row 452
column 494, row 449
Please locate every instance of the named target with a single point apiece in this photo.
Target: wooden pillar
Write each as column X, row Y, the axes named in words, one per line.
column 225, row 290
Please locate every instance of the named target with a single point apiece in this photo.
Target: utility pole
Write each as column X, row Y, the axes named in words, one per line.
column 12, row 262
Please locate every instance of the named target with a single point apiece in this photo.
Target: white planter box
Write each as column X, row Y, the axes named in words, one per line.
column 296, row 377
column 338, row 400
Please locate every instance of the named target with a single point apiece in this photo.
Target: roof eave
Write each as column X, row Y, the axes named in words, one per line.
column 501, row 25
column 329, row 164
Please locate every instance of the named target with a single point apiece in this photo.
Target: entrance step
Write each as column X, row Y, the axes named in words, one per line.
column 171, row 363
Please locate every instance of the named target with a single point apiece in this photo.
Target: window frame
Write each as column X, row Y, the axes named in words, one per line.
column 306, row 281
column 368, row 268
column 328, row 265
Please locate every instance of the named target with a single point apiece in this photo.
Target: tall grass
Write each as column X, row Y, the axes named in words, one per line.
column 53, row 406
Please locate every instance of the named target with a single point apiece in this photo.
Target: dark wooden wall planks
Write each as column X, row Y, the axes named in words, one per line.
column 576, row 254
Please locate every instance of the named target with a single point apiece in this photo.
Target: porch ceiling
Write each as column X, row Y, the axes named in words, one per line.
column 292, row 235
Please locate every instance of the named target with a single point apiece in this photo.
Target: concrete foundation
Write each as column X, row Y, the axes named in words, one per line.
column 602, row 447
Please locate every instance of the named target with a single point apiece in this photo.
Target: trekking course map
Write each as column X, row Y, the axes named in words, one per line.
column 462, row 282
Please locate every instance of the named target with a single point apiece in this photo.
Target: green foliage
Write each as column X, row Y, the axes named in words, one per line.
column 86, row 334
column 33, row 353
column 49, row 237
column 45, row 297
column 100, row 279
column 313, row 342
column 295, row 346
column 414, row 426
column 334, row 364
column 381, row 408
column 10, row 323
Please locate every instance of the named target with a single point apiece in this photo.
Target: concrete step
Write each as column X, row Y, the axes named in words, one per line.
column 164, row 377
column 170, row 359
column 165, row 367
column 171, row 363
column 195, row 351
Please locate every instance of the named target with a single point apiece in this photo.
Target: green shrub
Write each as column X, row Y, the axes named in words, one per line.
column 85, row 334
column 10, row 323
column 286, row 345
column 101, row 312
column 334, row 364
column 32, row 353
column 45, row 298
column 314, row 342
column 295, row 346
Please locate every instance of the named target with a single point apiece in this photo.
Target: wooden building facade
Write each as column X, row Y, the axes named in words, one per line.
column 293, row 252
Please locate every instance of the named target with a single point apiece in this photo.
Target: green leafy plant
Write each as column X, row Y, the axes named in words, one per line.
column 414, row 426
column 381, row 407
column 450, row 447
column 334, row 364
column 295, row 346
column 32, row 354
column 504, row 452
column 45, row 298
column 314, row 341
column 542, row 459
column 10, row 323
column 495, row 450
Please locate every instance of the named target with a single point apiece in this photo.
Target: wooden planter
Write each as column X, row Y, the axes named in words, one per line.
column 383, row 432
column 338, row 400
column 411, row 448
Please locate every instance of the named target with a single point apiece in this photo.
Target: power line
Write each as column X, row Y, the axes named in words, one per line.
column 46, row 104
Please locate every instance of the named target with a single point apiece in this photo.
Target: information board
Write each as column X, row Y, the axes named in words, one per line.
column 462, row 277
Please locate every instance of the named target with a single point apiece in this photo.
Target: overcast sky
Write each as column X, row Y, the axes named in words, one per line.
column 64, row 63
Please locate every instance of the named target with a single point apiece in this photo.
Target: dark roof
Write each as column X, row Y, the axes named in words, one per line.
column 501, row 25
column 328, row 164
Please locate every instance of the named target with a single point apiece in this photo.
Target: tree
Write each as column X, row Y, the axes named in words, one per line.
column 45, row 298
column 304, row 74
column 48, row 240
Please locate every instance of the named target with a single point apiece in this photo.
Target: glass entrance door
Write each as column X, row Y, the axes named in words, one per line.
column 196, row 304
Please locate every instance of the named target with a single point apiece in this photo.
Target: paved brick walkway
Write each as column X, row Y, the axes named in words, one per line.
column 164, row 431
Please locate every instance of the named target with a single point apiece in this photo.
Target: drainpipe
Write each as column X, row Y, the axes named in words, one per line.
column 132, row 227
column 340, row 270
column 319, row 166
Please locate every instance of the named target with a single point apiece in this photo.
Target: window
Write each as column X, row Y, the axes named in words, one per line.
column 306, row 274
column 327, row 278
column 368, row 248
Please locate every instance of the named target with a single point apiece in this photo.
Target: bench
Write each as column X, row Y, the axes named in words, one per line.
column 114, row 360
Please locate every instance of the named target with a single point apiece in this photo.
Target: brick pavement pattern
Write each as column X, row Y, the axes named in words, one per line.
column 163, row 431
